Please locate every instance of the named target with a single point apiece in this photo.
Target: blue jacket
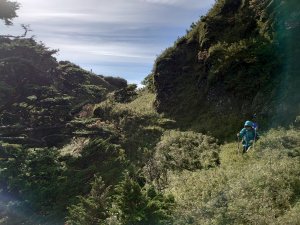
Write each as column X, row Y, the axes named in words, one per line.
column 248, row 136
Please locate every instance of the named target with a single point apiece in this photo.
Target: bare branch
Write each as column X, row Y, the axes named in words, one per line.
column 26, row 30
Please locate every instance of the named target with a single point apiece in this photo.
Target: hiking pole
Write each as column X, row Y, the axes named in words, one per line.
column 255, row 127
column 254, row 139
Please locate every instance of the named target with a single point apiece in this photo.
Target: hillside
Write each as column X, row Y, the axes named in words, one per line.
column 261, row 187
column 239, row 59
column 40, row 96
column 78, row 148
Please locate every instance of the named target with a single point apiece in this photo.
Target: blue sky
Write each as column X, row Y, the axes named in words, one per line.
column 111, row 37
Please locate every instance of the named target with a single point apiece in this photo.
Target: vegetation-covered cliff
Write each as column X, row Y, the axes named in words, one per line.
column 239, row 59
column 40, row 95
column 78, row 148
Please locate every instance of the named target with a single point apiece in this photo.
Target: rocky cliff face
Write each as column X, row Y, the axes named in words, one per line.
column 228, row 66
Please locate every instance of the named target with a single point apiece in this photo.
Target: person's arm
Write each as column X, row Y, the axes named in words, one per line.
column 241, row 133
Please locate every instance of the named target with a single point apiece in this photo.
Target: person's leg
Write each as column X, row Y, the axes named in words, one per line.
column 248, row 148
column 244, row 148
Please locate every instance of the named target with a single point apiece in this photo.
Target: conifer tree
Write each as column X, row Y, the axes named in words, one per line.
column 8, row 11
column 135, row 204
column 93, row 209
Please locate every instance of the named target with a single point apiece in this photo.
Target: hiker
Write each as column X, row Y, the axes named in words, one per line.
column 248, row 135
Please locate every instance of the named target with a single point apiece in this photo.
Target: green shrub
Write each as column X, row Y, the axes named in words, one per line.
column 135, row 204
column 245, row 66
column 256, row 193
column 35, row 176
column 291, row 217
column 136, row 122
column 282, row 140
column 94, row 91
column 126, row 94
column 149, row 82
column 187, row 150
column 260, row 187
column 97, row 157
column 91, row 209
column 118, row 82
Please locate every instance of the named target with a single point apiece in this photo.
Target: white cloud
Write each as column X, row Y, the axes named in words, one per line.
column 114, row 35
column 142, row 11
column 190, row 4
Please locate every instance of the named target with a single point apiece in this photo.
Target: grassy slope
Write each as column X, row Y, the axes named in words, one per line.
column 261, row 187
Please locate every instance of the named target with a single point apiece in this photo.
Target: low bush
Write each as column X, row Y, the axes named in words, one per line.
column 285, row 141
column 187, row 150
column 260, row 187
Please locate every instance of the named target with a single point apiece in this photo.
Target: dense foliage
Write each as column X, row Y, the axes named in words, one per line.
column 41, row 96
column 78, row 148
column 186, row 150
column 92, row 209
column 261, row 187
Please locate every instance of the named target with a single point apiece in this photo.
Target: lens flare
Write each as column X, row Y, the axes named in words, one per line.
column 287, row 33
